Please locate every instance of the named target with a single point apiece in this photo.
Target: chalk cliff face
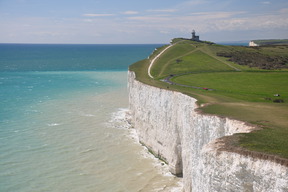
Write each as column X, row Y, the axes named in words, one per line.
column 167, row 124
column 228, row 171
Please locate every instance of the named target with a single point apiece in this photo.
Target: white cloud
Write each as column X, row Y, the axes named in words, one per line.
column 47, row 34
column 162, row 10
column 191, row 3
column 216, row 15
column 206, row 22
column 284, row 11
column 130, row 12
column 246, row 23
column 199, row 18
column 266, row 2
column 151, row 26
column 150, row 19
column 98, row 15
column 88, row 20
column 164, row 32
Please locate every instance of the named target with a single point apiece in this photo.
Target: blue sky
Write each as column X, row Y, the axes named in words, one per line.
column 139, row 21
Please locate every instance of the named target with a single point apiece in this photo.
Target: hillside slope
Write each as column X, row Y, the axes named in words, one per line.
column 244, row 92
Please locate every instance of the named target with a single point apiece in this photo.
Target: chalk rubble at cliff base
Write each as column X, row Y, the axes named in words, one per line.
column 168, row 125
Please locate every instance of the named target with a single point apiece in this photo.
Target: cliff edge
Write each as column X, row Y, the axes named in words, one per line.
column 191, row 143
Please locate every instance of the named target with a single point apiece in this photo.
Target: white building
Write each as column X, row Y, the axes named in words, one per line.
column 252, row 44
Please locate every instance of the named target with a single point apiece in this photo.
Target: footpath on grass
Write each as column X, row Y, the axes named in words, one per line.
column 157, row 56
column 168, row 79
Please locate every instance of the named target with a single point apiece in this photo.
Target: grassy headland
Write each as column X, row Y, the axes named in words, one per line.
column 271, row 42
column 242, row 90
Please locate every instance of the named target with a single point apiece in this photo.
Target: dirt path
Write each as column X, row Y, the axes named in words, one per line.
column 167, row 80
column 155, row 58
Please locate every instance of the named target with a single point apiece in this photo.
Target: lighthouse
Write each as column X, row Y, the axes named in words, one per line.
column 194, row 37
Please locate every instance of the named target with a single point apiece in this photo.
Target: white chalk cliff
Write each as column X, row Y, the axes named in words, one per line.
column 168, row 124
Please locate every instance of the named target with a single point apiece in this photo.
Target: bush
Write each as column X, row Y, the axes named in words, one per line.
column 256, row 59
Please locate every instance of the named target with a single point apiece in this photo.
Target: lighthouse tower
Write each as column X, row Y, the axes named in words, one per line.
column 194, row 37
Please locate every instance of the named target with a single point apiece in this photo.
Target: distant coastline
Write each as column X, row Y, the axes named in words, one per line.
column 267, row 42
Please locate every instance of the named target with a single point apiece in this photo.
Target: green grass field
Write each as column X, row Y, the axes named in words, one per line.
column 247, row 86
column 239, row 91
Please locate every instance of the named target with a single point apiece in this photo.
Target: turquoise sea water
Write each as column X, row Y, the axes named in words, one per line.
column 62, row 121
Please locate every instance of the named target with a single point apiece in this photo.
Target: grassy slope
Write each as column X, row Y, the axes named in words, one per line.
column 240, row 95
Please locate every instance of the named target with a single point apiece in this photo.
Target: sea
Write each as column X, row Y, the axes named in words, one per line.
column 64, row 121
